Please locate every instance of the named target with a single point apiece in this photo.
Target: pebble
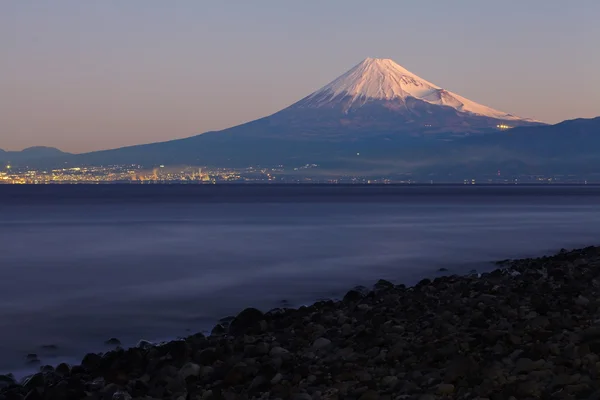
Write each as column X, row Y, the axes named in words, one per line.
column 321, row 343
column 445, row 388
column 278, row 351
column 121, row 395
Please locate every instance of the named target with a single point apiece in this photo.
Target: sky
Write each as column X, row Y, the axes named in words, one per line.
column 91, row 75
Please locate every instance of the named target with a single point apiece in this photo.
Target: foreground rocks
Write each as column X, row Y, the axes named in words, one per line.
column 528, row 330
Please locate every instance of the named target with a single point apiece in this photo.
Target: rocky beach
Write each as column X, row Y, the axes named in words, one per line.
column 528, row 330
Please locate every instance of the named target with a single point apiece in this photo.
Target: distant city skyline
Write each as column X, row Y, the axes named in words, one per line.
column 84, row 76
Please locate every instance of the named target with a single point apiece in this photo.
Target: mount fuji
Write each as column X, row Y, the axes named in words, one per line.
column 378, row 116
column 378, row 96
column 380, row 87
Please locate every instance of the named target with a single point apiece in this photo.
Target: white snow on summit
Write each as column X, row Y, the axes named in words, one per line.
column 383, row 79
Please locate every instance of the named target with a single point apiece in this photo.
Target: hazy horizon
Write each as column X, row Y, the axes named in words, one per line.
column 91, row 76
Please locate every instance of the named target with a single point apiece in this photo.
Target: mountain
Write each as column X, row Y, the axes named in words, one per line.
column 378, row 93
column 379, row 97
column 383, row 80
column 568, row 148
column 379, row 118
column 376, row 105
column 31, row 153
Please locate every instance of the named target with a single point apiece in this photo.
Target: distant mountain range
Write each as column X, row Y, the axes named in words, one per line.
column 376, row 118
column 31, row 153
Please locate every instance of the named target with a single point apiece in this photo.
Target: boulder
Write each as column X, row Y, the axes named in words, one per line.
column 91, row 361
column 245, row 320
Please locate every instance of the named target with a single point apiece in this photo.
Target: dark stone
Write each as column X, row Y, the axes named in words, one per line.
column 33, row 394
column 356, row 294
column 276, row 313
column 557, row 274
column 91, row 361
column 47, row 369
column 121, row 395
column 218, row 330
column 424, row 282
column 58, row 391
column 245, row 320
column 109, row 390
column 139, row 388
column 498, row 273
column 595, row 347
column 352, row 296
column 591, row 334
column 540, row 307
column 144, row 344
column 35, row 381
column 7, row 381
column 178, row 349
column 479, row 321
column 206, row 357
column 382, row 284
column 197, row 341
column 226, row 320
column 77, row 370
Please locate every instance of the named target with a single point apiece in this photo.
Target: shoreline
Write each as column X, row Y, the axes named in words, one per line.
column 375, row 344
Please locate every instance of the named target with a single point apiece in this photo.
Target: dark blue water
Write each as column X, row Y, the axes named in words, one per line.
column 80, row 264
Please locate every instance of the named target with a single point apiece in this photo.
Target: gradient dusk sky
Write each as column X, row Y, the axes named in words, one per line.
column 87, row 75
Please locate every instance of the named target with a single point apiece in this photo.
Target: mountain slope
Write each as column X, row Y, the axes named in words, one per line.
column 569, row 148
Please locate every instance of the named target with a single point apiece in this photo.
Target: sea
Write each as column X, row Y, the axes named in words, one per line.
column 82, row 264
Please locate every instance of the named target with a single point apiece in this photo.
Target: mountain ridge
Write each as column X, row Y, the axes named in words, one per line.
column 31, row 153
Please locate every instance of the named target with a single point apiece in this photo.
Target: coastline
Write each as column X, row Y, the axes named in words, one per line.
column 528, row 329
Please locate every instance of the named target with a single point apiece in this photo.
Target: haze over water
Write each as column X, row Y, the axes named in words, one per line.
column 80, row 265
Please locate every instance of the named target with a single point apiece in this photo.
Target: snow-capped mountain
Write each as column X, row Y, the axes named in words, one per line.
column 383, row 81
column 379, row 97
column 377, row 111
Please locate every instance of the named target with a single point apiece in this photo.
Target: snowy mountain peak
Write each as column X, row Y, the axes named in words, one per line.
column 382, row 79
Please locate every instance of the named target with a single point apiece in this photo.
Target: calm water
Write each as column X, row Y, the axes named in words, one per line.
column 79, row 265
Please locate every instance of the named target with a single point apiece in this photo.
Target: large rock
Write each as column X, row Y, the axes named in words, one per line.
column 207, row 356
column 356, row 294
column 91, row 361
column 179, row 350
column 6, row 381
column 246, row 320
column 188, row 370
